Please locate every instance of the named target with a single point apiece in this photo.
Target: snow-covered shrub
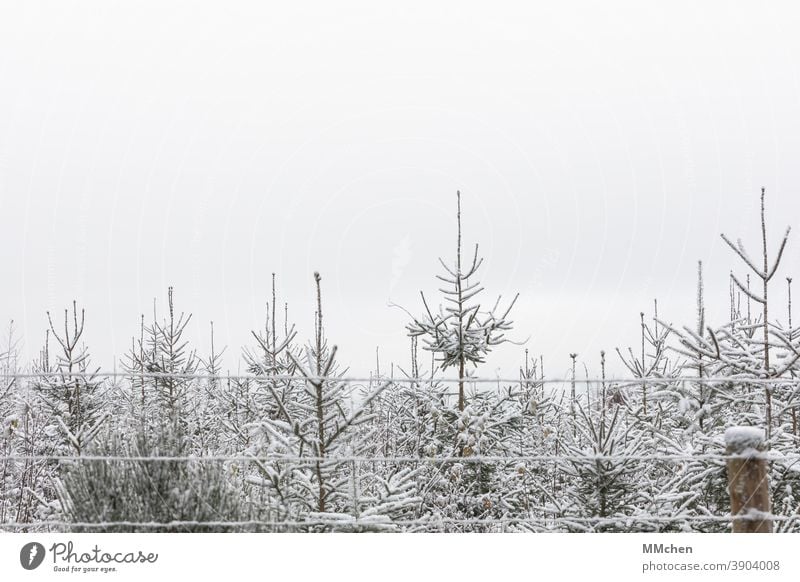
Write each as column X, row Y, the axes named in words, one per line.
column 157, row 489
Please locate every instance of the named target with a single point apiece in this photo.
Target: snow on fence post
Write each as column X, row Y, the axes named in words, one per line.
column 747, row 480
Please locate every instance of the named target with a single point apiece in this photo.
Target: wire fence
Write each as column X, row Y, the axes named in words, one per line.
column 408, row 379
column 629, row 521
column 542, row 522
column 472, row 459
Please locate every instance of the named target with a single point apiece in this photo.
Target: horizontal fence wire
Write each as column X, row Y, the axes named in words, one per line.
column 403, row 459
column 402, row 380
column 428, row 522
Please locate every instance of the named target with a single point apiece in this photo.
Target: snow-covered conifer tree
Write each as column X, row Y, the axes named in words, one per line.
column 319, row 422
column 461, row 333
column 70, row 390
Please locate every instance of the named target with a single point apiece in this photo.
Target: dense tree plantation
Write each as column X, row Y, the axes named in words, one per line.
column 174, row 443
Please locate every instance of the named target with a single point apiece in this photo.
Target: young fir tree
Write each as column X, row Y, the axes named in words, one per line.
column 296, row 451
column 70, row 390
column 742, row 358
column 272, row 363
column 161, row 367
column 652, row 365
column 461, row 333
column 61, row 411
column 601, row 483
column 250, row 401
column 207, row 399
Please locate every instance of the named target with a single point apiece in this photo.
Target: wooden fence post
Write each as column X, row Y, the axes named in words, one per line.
column 747, row 480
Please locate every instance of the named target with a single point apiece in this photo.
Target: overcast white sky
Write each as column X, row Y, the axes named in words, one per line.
column 600, row 148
